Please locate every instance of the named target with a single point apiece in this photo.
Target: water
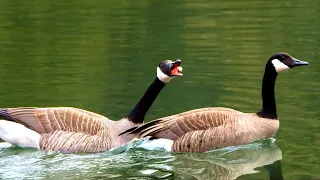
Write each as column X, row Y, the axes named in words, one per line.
column 101, row 56
column 228, row 163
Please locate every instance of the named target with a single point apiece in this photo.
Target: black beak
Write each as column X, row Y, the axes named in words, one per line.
column 297, row 62
column 176, row 63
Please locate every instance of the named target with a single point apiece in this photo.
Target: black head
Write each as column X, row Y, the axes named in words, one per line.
column 283, row 61
column 171, row 68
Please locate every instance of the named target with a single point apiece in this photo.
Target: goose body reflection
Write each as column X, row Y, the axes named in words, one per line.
column 230, row 164
column 136, row 163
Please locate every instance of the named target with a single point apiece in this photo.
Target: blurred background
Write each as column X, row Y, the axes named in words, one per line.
column 102, row 55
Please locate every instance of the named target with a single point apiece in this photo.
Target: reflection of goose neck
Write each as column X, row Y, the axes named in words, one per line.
column 138, row 113
column 269, row 109
column 274, row 170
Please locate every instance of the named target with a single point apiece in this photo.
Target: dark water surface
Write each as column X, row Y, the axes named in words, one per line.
column 101, row 56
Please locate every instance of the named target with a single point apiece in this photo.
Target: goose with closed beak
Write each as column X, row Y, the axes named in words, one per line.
column 72, row 130
column 210, row 128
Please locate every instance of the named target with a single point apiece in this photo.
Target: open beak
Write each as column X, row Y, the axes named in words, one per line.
column 176, row 69
column 297, row 62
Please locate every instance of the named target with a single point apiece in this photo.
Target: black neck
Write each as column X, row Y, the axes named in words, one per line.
column 269, row 109
column 139, row 111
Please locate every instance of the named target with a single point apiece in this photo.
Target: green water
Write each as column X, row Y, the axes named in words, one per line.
column 101, row 56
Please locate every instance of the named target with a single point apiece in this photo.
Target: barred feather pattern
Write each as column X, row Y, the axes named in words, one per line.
column 241, row 129
column 173, row 127
column 209, row 128
column 72, row 142
column 67, row 129
column 45, row 120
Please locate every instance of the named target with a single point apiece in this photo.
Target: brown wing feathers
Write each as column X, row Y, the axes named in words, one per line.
column 175, row 126
column 196, row 130
column 45, row 120
column 208, row 130
column 65, row 129
column 71, row 142
column 24, row 116
column 205, row 140
column 229, row 134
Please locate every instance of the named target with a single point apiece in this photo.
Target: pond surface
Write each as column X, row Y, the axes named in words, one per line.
column 102, row 55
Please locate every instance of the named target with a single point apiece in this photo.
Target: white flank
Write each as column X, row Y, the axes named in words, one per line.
column 18, row 134
column 157, row 144
column 162, row 76
column 279, row 66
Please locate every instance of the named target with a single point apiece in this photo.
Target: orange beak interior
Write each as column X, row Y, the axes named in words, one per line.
column 176, row 70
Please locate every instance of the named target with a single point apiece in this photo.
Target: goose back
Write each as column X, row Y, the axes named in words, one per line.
column 208, row 128
column 76, row 142
column 45, row 120
column 106, row 138
column 240, row 129
column 173, row 127
column 70, row 130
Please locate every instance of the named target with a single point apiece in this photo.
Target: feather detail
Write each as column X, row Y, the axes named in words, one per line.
column 66, row 129
column 184, row 122
column 45, row 120
column 208, row 128
column 72, row 142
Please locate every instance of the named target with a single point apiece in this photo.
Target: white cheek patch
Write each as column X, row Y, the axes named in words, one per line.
column 279, row 66
column 162, row 76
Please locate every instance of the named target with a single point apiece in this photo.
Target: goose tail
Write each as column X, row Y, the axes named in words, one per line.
column 4, row 114
column 129, row 131
column 138, row 130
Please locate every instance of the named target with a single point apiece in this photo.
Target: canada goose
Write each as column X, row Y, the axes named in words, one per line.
column 72, row 130
column 210, row 128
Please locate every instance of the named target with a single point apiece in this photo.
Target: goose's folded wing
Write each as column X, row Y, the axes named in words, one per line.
column 241, row 129
column 75, row 142
column 173, row 127
column 45, row 120
column 209, row 139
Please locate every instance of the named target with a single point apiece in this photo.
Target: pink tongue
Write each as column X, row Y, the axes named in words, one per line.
column 174, row 71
